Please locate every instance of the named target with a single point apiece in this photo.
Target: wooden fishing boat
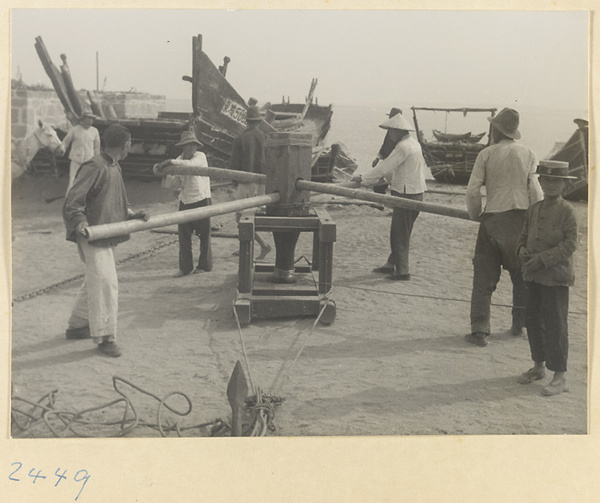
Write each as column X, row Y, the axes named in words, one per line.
column 575, row 152
column 217, row 118
column 451, row 155
column 220, row 112
column 450, row 136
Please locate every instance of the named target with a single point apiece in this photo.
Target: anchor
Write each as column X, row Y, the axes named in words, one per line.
column 276, row 291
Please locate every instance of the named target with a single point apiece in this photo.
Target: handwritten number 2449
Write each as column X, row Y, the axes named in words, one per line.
column 80, row 476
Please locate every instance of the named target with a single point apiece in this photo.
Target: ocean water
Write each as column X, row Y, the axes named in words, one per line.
column 357, row 126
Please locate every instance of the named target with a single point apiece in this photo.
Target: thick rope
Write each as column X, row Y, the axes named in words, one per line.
column 44, row 411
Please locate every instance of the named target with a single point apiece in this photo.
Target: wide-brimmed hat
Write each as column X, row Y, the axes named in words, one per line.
column 397, row 122
column 253, row 114
column 507, row 122
column 554, row 169
column 394, row 111
column 188, row 137
column 91, row 115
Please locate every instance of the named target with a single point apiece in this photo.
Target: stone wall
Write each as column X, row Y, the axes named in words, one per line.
column 28, row 106
column 135, row 105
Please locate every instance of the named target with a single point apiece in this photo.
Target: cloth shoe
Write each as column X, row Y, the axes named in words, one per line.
column 109, row 349
column 531, row 375
column 180, row 274
column 555, row 388
column 516, row 331
column 385, row 269
column 477, row 338
column 399, row 277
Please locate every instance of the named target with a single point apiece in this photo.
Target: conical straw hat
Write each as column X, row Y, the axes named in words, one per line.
column 397, row 122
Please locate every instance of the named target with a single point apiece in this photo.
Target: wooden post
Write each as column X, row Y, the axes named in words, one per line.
column 327, row 236
column 315, row 251
column 246, row 237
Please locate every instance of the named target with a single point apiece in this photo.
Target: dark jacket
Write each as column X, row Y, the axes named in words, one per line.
column 248, row 152
column 550, row 230
column 96, row 197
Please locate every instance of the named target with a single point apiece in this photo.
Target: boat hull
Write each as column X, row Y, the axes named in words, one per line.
column 575, row 152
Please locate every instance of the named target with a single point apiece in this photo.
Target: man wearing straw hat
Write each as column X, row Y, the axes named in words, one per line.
column 507, row 169
column 248, row 154
column 405, row 168
column 545, row 248
column 194, row 193
column 386, row 149
column 84, row 140
column 98, row 197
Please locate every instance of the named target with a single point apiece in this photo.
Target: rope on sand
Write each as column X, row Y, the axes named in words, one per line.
column 260, row 405
column 65, row 423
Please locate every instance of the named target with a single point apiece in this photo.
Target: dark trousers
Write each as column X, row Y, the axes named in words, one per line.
column 401, row 228
column 547, row 328
column 495, row 249
column 202, row 229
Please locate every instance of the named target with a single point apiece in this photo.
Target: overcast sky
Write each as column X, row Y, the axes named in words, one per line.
column 359, row 57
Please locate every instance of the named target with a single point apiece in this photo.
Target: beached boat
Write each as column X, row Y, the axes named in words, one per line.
column 575, row 152
column 217, row 117
column 220, row 112
column 451, row 155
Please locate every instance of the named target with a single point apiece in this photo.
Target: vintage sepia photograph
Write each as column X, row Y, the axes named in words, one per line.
column 298, row 223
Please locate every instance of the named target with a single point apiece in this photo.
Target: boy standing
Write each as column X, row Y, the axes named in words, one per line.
column 545, row 248
column 84, row 140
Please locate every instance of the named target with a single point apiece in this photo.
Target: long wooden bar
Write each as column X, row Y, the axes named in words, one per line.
column 391, row 201
column 217, row 173
column 127, row 227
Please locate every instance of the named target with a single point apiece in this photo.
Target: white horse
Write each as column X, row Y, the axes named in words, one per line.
column 24, row 150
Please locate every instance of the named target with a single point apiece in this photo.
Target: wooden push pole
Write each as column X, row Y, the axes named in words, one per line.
column 128, row 226
column 217, row 174
column 391, row 201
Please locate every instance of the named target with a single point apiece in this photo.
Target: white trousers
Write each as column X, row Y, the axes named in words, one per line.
column 97, row 302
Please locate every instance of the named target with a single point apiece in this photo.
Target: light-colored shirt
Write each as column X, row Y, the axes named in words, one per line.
column 193, row 188
column 507, row 171
column 405, row 168
column 85, row 143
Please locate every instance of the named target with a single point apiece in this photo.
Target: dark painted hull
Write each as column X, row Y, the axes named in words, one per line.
column 220, row 112
column 575, row 152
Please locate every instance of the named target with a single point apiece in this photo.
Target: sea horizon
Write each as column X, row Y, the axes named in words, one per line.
column 356, row 126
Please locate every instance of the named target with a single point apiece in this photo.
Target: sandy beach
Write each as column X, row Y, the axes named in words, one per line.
column 394, row 362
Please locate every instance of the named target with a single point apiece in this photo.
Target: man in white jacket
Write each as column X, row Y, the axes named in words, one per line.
column 405, row 169
column 84, row 140
column 194, row 193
